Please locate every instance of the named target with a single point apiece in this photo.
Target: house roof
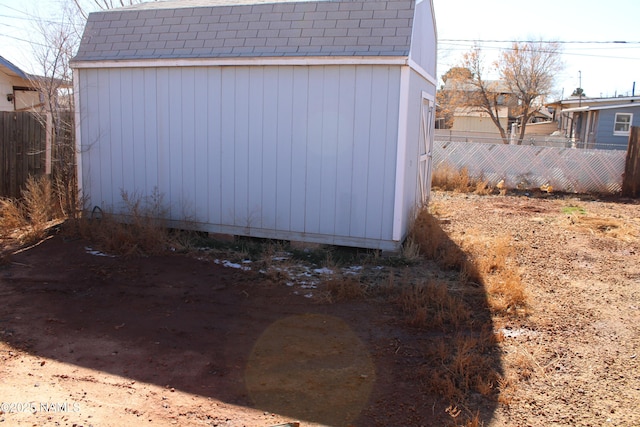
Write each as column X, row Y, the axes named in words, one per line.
column 12, row 69
column 582, row 101
column 256, row 28
column 601, row 107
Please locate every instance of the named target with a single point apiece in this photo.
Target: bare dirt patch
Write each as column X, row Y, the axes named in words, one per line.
column 183, row 339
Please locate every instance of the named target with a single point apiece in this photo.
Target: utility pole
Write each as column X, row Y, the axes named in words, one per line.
column 579, row 88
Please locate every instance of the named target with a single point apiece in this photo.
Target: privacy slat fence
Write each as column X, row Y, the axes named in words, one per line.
column 527, row 167
column 22, row 150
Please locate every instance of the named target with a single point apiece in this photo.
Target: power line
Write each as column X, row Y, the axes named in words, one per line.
column 23, row 40
column 32, row 19
column 467, row 47
column 543, row 41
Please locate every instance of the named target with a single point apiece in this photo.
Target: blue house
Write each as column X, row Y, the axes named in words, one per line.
column 598, row 123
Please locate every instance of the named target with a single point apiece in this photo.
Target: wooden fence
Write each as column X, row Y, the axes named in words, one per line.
column 631, row 181
column 28, row 149
column 22, row 150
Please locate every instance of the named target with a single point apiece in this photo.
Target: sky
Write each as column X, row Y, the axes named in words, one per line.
column 601, row 69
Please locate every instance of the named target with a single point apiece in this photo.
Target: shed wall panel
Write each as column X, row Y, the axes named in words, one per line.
column 284, row 150
column 300, row 149
column 214, row 146
column 423, row 39
column 147, row 154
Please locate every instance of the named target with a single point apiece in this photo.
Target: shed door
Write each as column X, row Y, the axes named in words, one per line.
column 425, row 147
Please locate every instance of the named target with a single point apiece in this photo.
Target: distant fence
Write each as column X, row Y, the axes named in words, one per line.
column 27, row 149
column 527, row 167
column 23, row 150
column 534, row 139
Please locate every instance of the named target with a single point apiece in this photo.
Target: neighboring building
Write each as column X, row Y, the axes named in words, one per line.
column 17, row 89
column 473, row 119
column 600, row 123
column 295, row 120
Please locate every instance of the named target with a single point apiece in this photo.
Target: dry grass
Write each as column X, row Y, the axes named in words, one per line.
column 431, row 304
column 448, row 178
column 434, row 243
column 494, row 262
column 138, row 230
column 346, row 289
column 482, row 261
column 27, row 219
column 612, row 227
column 459, row 366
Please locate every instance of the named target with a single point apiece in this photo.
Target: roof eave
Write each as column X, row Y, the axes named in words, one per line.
column 244, row 61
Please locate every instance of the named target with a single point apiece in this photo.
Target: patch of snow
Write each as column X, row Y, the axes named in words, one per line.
column 353, row 270
column 323, row 270
column 230, row 264
column 90, row 251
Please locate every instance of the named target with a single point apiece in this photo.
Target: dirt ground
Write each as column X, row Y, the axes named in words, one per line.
column 88, row 339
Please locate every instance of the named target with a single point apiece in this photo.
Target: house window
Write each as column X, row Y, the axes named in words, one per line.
column 622, row 123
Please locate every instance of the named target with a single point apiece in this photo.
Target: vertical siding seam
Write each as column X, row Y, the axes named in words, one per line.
column 277, row 106
column 335, row 189
column 353, row 144
column 306, row 150
column 384, row 146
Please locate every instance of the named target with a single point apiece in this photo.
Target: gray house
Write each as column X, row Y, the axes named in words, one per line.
column 599, row 123
column 295, row 120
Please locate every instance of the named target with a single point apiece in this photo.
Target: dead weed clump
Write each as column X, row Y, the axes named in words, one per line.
column 27, row 219
column 431, row 304
column 137, row 230
column 494, row 262
column 447, row 178
column 460, row 366
column 434, row 243
column 346, row 289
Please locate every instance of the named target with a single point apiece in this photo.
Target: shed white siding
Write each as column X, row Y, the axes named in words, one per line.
column 424, row 38
column 298, row 152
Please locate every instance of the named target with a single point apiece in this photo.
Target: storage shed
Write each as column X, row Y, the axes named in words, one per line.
column 295, row 120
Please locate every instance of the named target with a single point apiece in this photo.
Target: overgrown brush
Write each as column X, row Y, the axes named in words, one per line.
column 138, row 229
column 28, row 218
column 447, row 178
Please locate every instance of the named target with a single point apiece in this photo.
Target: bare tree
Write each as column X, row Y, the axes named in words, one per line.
column 526, row 76
column 529, row 70
column 448, row 98
column 473, row 92
column 53, row 81
column 55, row 42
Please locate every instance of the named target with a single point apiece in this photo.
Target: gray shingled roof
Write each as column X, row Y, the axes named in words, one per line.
column 263, row 28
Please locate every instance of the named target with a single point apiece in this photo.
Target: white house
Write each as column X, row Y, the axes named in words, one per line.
column 17, row 89
column 294, row 120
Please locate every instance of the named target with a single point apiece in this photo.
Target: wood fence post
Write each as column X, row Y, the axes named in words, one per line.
column 48, row 143
column 631, row 179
